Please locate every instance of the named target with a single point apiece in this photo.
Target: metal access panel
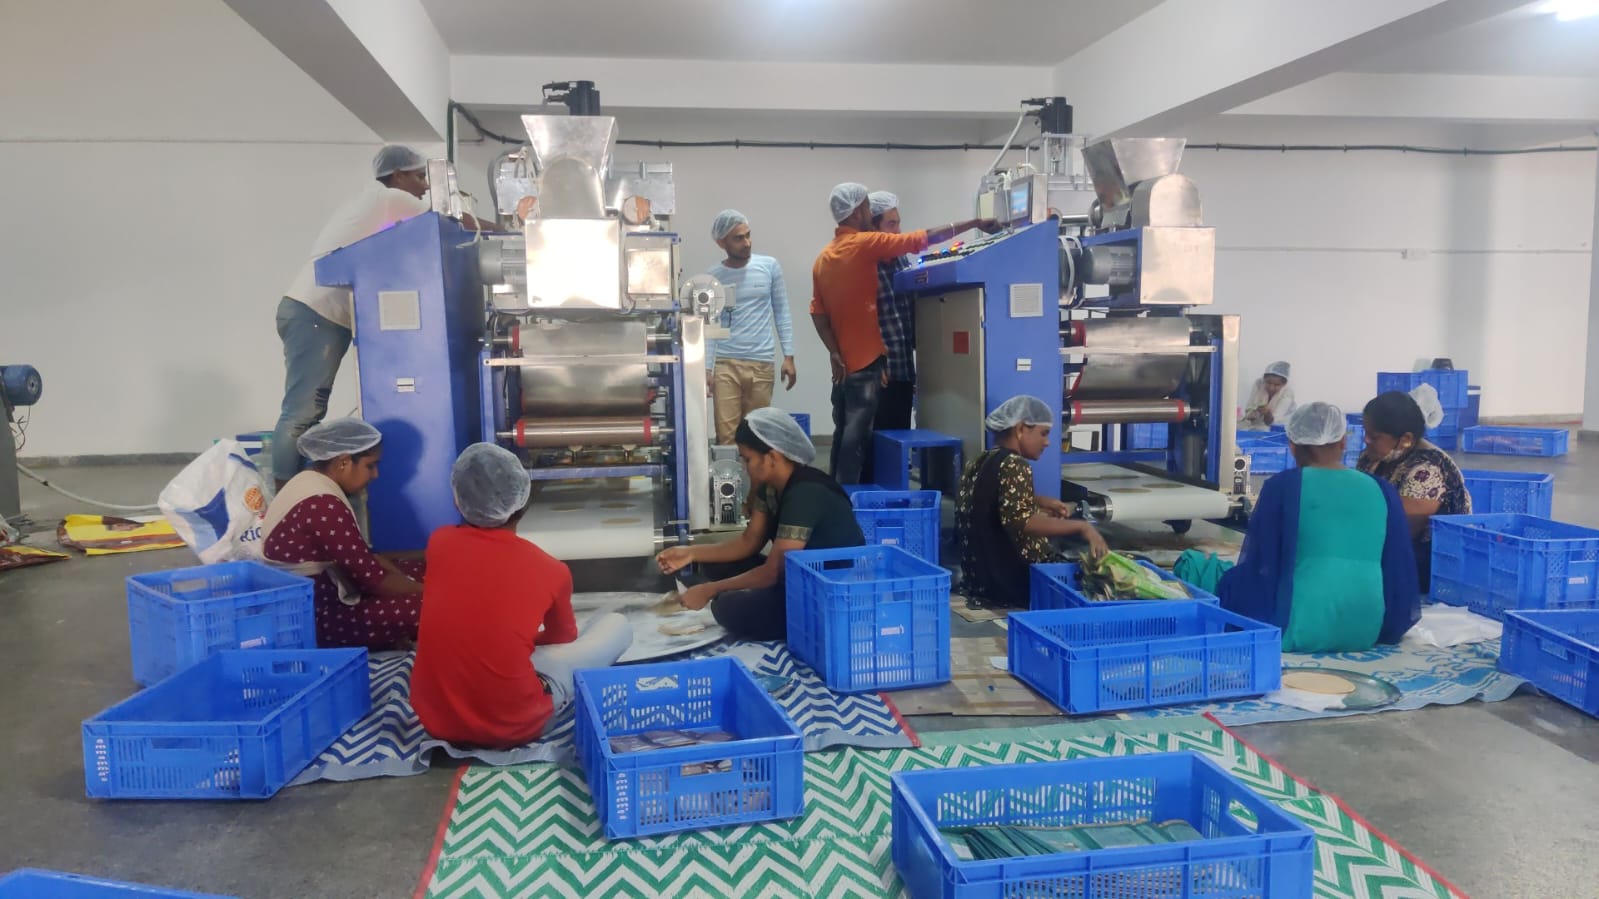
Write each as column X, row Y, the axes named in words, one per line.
column 949, row 367
column 10, row 494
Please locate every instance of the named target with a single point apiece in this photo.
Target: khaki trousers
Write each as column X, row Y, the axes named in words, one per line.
column 738, row 388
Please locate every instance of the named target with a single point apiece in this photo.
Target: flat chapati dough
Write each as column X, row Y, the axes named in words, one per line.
column 682, row 628
column 1316, row 682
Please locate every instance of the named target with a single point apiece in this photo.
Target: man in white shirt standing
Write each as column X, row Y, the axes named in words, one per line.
column 741, row 365
column 315, row 322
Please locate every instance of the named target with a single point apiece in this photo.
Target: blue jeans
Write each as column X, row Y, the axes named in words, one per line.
column 854, row 408
column 313, row 347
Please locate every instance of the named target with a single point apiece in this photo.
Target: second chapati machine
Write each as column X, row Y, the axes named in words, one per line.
column 1092, row 313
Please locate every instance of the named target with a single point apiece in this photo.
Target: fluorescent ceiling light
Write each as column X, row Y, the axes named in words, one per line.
column 1571, row 10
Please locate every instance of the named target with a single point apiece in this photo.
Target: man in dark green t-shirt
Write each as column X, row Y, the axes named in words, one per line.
column 799, row 507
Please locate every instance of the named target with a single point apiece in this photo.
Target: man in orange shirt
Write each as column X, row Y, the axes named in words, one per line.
column 844, row 310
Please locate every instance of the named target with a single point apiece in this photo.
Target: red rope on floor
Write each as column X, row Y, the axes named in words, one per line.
column 438, row 837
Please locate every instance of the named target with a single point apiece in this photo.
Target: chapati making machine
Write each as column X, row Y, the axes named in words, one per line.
column 569, row 342
column 1093, row 312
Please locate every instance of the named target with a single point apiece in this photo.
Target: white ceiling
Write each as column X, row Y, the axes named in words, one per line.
column 959, row 32
column 1525, row 41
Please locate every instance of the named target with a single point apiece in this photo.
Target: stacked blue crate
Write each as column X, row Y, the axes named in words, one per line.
column 1453, row 394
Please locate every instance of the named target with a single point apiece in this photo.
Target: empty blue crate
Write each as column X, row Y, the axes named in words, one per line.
column 34, row 883
column 758, row 775
column 1241, row 844
column 1556, row 651
column 238, row 725
column 1450, row 384
column 1521, row 492
column 1054, row 586
column 1138, row 656
column 1267, row 452
column 869, row 617
column 1492, row 564
column 904, row 518
column 177, row 618
column 1493, row 440
column 802, row 419
column 935, row 459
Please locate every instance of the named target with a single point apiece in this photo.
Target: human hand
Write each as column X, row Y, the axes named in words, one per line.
column 697, row 597
column 1266, row 416
column 883, row 378
column 674, row 559
column 1054, row 507
column 789, row 374
column 839, row 371
column 1097, row 547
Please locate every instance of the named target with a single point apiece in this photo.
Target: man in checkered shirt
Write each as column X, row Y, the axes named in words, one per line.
column 896, row 315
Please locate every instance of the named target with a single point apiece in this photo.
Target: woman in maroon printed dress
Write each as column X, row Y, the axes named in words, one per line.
column 362, row 598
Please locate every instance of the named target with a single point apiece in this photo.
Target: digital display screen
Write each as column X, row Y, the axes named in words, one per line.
column 1021, row 203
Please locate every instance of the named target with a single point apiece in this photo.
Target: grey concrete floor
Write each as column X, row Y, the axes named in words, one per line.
column 1500, row 798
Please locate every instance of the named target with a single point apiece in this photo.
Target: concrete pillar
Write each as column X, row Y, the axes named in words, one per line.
column 1590, row 392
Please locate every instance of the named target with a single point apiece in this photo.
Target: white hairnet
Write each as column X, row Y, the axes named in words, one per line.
column 490, row 484
column 339, row 437
column 396, row 158
column 846, row 198
column 1426, row 397
column 1019, row 410
column 778, row 430
column 1316, row 424
column 882, row 201
column 726, row 221
column 1280, row 369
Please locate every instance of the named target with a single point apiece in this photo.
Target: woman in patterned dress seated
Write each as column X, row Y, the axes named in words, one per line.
column 1003, row 526
column 1428, row 480
column 361, row 599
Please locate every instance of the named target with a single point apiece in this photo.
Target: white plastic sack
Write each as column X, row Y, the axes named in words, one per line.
column 217, row 504
column 1444, row 626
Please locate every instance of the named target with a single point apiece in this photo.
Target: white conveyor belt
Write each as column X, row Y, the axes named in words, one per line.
column 1135, row 496
column 592, row 519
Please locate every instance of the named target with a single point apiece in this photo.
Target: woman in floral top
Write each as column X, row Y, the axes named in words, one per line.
column 1002, row 524
column 1428, row 480
column 361, row 598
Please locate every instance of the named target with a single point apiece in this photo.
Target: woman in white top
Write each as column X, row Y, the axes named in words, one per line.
column 1271, row 400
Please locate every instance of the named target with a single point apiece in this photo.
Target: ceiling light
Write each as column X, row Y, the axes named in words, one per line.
column 1571, row 10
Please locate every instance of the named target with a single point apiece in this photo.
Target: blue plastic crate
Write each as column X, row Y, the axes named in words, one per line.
column 177, row 618
column 1137, row 656
column 1557, row 652
column 803, row 420
column 238, row 725
column 935, row 458
column 869, row 618
column 1148, row 436
column 1267, row 452
column 35, row 883
column 1450, row 384
column 906, row 518
column 851, row 489
column 1492, row 564
column 1519, row 492
column 1250, row 847
column 1054, row 586
column 1502, row 441
column 758, row 776
column 1447, row 434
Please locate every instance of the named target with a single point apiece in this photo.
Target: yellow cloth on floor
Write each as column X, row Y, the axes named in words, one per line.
column 103, row 535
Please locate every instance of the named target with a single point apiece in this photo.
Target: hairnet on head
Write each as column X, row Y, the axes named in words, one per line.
column 1316, row 424
column 725, row 222
column 881, row 201
column 339, row 437
column 778, row 430
column 1426, row 397
column 1280, row 369
column 490, row 484
column 846, row 198
column 396, row 158
column 1019, row 410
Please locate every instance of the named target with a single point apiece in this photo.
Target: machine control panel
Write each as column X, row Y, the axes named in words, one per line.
column 963, row 248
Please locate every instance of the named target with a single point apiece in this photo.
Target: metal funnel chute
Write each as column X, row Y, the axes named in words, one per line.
column 572, row 156
column 1116, row 164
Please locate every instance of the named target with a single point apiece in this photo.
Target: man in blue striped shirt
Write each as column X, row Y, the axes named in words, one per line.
column 742, row 377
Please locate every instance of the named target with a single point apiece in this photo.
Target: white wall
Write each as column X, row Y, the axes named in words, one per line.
column 166, row 171
column 1311, row 252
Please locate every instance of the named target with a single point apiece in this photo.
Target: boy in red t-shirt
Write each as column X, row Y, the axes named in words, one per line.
column 493, row 597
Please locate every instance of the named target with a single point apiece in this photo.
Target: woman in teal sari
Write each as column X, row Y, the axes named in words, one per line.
column 1328, row 556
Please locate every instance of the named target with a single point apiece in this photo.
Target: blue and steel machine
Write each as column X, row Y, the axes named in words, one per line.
column 1092, row 312
column 569, row 343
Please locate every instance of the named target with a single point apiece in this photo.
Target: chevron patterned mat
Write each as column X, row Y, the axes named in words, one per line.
column 390, row 741
column 531, row 831
column 1425, row 675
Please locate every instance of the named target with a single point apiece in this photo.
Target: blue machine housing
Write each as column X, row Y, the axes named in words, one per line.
column 419, row 314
